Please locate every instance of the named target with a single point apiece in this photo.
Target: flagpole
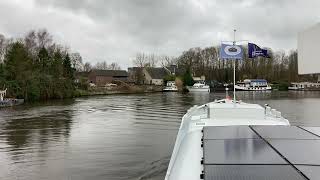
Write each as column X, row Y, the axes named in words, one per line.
column 234, row 69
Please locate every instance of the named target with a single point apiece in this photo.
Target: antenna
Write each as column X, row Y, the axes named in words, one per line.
column 234, row 69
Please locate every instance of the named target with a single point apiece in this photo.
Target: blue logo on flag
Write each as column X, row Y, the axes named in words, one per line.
column 255, row 51
column 231, row 52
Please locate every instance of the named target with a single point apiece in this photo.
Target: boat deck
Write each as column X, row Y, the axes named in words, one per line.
column 261, row 153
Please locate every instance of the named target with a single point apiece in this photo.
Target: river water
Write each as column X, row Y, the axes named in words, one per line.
column 114, row 137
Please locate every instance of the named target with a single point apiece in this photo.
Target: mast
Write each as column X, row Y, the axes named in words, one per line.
column 234, row 69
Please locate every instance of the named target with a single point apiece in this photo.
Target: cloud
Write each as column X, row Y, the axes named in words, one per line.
column 115, row 30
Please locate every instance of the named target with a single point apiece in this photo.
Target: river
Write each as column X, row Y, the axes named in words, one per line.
column 115, row 137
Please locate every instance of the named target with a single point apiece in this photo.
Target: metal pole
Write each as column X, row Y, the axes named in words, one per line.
column 234, row 69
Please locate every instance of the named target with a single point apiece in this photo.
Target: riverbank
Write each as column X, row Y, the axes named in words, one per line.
column 132, row 89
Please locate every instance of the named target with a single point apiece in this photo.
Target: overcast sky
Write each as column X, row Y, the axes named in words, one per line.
column 115, row 30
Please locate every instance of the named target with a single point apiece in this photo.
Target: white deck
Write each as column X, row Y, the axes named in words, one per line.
column 187, row 149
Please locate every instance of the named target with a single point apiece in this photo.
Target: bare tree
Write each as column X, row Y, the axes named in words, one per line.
column 167, row 60
column 76, row 61
column 30, row 41
column 87, row 67
column 101, row 65
column 44, row 38
column 3, row 46
column 114, row 66
column 152, row 60
column 146, row 60
column 35, row 40
column 140, row 60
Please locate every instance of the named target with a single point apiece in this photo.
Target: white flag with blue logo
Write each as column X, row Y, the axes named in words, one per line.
column 231, row 52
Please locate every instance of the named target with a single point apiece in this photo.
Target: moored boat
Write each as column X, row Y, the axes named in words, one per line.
column 199, row 87
column 304, row 86
column 253, row 85
column 6, row 102
column 11, row 102
column 171, row 87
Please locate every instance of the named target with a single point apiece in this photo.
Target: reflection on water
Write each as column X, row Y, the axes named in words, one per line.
column 114, row 137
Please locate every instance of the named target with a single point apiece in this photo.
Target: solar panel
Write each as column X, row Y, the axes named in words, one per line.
column 312, row 172
column 240, row 151
column 298, row 151
column 283, row 132
column 228, row 132
column 315, row 130
column 251, row 172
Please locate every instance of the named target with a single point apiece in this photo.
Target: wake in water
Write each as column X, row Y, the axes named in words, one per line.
column 156, row 170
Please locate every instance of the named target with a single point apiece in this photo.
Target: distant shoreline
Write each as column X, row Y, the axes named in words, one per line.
column 134, row 89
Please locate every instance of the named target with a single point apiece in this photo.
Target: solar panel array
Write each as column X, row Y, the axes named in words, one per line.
column 261, row 153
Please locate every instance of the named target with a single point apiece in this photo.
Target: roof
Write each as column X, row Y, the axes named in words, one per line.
column 157, row 73
column 110, row 72
column 175, row 69
column 134, row 68
column 82, row 74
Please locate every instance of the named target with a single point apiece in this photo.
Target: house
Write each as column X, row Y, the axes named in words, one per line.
column 151, row 75
column 135, row 75
column 81, row 76
column 154, row 76
column 102, row 77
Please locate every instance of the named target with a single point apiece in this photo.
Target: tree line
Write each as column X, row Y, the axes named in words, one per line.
column 280, row 67
column 34, row 67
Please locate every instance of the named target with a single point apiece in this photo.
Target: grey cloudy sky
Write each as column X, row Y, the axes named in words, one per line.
column 115, row 30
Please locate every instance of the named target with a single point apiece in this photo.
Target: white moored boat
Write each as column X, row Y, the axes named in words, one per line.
column 199, row 87
column 253, row 85
column 304, row 86
column 171, row 87
column 226, row 140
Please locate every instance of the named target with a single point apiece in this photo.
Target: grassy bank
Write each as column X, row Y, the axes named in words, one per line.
column 133, row 89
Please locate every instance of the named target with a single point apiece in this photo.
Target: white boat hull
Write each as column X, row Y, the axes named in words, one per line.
column 295, row 88
column 170, row 90
column 187, row 153
column 242, row 88
column 171, row 87
column 192, row 89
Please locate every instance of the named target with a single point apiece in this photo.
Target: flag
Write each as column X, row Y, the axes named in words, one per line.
column 231, row 52
column 255, row 51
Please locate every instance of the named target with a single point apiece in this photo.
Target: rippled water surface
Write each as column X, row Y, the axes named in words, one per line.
column 114, row 137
